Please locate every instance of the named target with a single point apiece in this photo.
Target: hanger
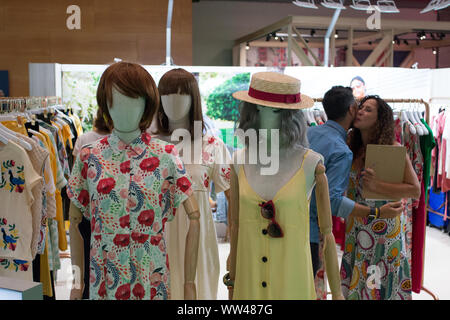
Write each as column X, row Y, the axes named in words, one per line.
column 323, row 115
column 412, row 121
column 418, row 116
column 311, row 117
column 317, row 117
column 404, row 118
column 11, row 135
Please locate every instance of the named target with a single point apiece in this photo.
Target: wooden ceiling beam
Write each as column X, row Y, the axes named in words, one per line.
column 265, row 31
column 375, row 54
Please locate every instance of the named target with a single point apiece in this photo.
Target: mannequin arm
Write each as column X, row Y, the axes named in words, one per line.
column 233, row 221
column 326, row 226
column 228, row 197
column 76, row 250
column 191, row 250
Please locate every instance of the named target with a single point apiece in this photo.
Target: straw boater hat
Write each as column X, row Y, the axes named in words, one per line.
column 275, row 90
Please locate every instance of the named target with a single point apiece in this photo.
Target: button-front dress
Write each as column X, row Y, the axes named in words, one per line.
column 270, row 268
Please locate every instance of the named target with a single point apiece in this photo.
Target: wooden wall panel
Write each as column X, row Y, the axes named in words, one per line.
column 133, row 30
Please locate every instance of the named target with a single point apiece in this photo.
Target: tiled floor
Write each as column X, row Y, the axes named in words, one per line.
column 437, row 269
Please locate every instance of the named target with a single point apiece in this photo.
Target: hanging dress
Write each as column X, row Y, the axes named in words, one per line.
column 375, row 262
column 214, row 167
column 270, row 268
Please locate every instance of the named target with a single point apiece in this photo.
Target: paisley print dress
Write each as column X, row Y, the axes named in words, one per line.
column 128, row 192
column 374, row 264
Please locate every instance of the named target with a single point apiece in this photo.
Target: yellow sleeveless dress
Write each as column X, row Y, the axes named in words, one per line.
column 276, row 268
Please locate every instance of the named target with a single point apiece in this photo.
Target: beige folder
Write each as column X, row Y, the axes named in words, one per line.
column 388, row 162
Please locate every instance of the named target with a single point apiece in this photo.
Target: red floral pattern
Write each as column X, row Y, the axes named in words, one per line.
column 139, row 291
column 105, row 186
column 146, row 217
column 125, row 167
column 135, row 179
column 184, row 184
column 149, row 164
column 215, row 169
column 125, row 221
column 84, row 197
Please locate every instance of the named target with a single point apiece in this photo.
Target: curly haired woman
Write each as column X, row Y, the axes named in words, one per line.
column 375, row 265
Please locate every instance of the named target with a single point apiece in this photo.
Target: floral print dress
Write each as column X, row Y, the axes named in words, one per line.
column 214, row 167
column 129, row 192
column 375, row 264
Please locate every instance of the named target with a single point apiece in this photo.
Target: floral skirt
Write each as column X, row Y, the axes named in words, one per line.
column 375, row 264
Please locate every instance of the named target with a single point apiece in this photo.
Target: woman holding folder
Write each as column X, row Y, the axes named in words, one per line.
column 375, row 264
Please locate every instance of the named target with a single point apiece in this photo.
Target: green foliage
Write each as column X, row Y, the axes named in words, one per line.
column 80, row 92
column 221, row 104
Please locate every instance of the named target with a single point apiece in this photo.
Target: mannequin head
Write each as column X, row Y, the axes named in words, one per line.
column 291, row 123
column 180, row 98
column 127, row 97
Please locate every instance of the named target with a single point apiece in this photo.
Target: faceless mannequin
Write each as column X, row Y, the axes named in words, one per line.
column 289, row 159
column 177, row 108
column 126, row 114
column 290, row 162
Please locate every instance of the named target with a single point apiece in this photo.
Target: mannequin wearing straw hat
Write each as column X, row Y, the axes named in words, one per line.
column 180, row 112
column 270, row 256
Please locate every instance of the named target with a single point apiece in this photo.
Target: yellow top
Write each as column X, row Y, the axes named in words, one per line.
column 270, row 268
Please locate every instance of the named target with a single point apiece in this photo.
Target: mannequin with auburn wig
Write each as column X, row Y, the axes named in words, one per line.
column 128, row 98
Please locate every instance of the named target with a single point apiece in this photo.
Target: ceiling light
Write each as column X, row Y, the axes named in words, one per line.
column 336, row 35
column 442, row 4
column 247, row 46
column 387, row 6
column 330, row 4
column 436, row 5
column 305, row 4
column 313, row 32
column 434, row 51
column 361, row 4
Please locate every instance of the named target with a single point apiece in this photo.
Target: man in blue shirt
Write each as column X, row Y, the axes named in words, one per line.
column 330, row 141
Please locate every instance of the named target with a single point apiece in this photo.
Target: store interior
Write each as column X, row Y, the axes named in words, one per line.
column 57, row 53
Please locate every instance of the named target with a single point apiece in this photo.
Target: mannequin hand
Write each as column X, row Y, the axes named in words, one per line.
column 190, row 292
column 76, row 294
column 369, row 180
column 391, row 210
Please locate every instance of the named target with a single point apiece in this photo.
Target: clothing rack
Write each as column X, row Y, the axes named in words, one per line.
column 427, row 119
column 421, row 101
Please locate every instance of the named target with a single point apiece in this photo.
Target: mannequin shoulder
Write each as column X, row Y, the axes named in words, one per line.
column 315, row 155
